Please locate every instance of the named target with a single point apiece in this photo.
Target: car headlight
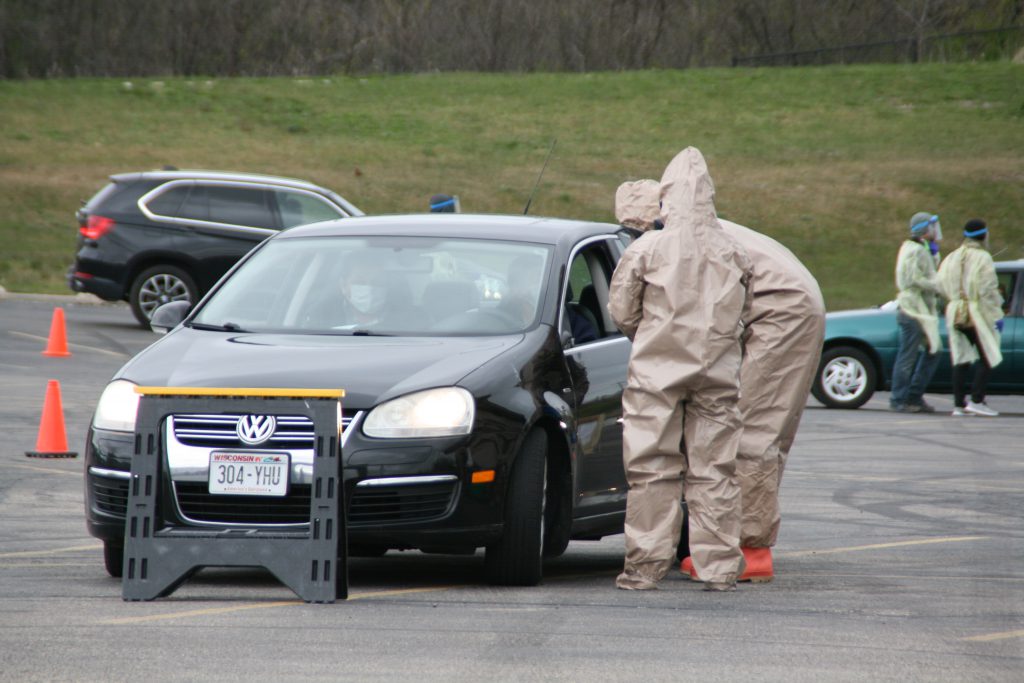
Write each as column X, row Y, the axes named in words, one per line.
column 448, row 411
column 117, row 407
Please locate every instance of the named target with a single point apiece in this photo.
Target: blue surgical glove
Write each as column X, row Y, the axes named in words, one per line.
column 999, row 325
column 933, row 247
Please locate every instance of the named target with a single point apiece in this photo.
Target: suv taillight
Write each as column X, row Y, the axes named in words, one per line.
column 96, row 227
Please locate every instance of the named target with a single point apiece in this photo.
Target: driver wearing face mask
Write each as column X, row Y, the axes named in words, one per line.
column 365, row 292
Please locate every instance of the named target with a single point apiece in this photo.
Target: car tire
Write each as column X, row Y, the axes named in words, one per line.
column 517, row 558
column 113, row 558
column 158, row 285
column 846, row 378
column 557, row 514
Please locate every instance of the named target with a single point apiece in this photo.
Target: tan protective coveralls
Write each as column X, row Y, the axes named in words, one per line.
column 781, row 351
column 972, row 266
column 680, row 294
column 919, row 287
column 784, row 330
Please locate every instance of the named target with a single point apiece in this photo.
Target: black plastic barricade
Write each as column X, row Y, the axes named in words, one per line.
column 159, row 557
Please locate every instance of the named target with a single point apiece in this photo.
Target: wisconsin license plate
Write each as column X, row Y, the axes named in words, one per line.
column 249, row 474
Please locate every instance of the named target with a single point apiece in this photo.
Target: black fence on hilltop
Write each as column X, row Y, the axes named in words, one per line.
column 990, row 44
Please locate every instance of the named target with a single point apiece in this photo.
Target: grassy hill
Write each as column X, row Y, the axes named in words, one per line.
column 831, row 161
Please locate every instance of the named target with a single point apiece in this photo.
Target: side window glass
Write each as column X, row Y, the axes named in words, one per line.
column 627, row 236
column 587, row 295
column 240, row 206
column 197, row 205
column 167, row 203
column 298, row 209
column 579, row 278
column 1007, row 288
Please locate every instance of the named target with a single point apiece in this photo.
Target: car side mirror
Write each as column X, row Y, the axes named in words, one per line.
column 167, row 317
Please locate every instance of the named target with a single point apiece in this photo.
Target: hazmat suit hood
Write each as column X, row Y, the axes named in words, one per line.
column 687, row 193
column 636, row 204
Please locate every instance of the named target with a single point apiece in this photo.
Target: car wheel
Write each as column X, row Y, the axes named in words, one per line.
column 113, row 558
column 517, row 558
column 557, row 509
column 846, row 378
column 157, row 286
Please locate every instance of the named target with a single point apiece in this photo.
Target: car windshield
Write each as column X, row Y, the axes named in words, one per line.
column 387, row 285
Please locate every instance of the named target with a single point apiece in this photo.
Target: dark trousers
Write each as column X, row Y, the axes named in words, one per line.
column 982, row 372
column 914, row 366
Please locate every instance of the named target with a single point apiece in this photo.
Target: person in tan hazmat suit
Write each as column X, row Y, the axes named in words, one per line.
column 679, row 294
column 782, row 338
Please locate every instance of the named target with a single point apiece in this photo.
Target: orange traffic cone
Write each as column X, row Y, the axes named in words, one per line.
column 52, row 441
column 57, row 344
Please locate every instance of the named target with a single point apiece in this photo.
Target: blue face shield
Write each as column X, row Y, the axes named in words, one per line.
column 919, row 229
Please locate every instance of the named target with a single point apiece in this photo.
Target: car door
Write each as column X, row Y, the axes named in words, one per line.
column 597, row 365
column 1009, row 375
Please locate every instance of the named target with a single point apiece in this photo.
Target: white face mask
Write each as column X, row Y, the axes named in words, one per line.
column 366, row 298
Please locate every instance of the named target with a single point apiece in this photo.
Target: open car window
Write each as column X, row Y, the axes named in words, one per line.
column 585, row 305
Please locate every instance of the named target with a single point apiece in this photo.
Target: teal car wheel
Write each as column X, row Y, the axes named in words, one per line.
column 846, row 378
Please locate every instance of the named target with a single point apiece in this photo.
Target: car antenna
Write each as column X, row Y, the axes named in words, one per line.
column 529, row 201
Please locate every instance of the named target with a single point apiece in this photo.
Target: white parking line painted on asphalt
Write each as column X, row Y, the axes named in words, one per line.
column 75, row 473
column 265, row 605
column 199, row 612
column 841, row 477
column 908, row 577
column 963, row 482
column 44, row 565
column 988, row 637
column 36, row 337
column 882, row 546
column 52, row 551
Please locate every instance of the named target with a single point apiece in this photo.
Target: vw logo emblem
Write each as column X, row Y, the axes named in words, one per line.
column 255, row 429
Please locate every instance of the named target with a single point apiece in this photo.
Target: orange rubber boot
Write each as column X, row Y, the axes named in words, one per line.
column 686, row 567
column 759, row 565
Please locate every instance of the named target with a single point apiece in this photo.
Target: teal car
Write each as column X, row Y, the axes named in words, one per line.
column 860, row 349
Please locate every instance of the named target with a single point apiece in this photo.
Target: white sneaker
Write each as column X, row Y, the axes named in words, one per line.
column 960, row 412
column 980, row 409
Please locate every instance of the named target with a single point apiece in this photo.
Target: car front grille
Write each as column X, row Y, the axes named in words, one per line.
column 388, row 504
column 218, row 431
column 110, row 495
column 367, row 506
column 198, row 504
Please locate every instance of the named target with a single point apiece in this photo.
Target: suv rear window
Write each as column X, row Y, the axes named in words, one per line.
column 167, row 203
column 117, row 197
column 98, row 198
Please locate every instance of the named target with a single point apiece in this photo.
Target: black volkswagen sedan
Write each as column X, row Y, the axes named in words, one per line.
column 482, row 376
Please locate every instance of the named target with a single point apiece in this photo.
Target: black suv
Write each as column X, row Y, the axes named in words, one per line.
column 159, row 236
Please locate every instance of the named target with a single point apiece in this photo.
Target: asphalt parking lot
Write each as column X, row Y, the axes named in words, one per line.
column 900, row 558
